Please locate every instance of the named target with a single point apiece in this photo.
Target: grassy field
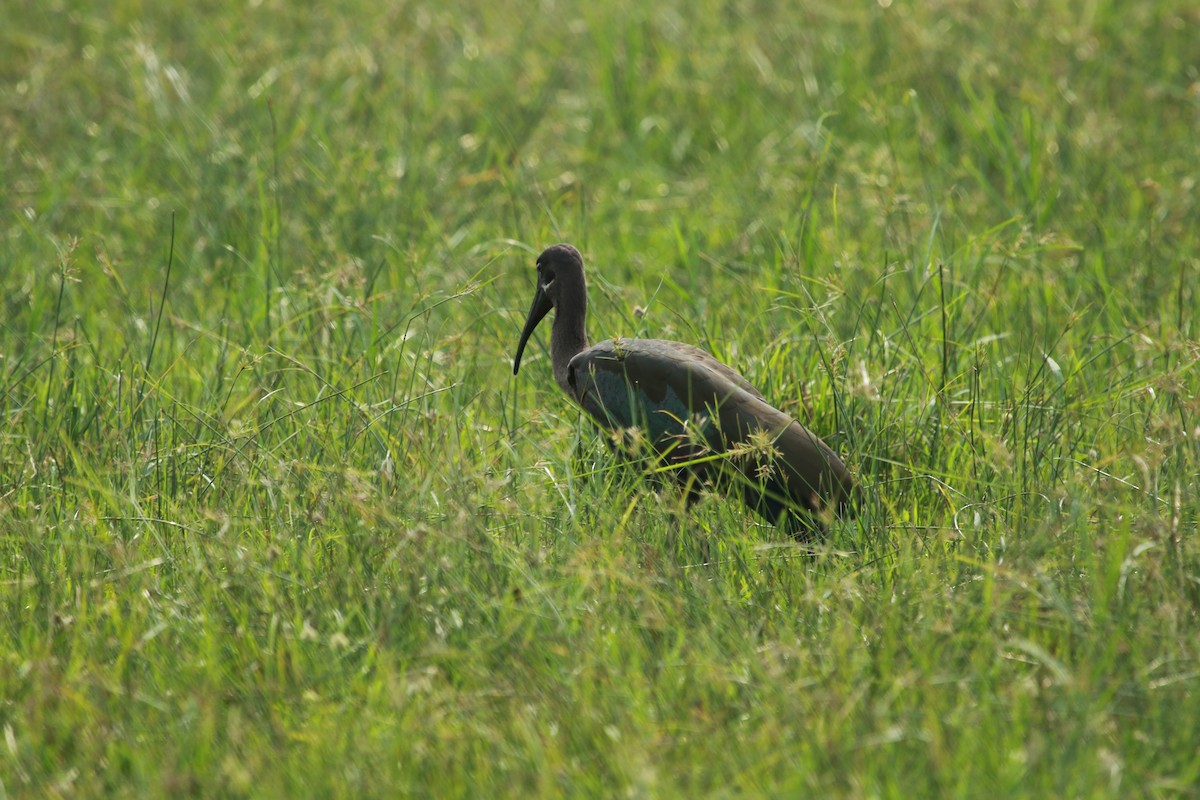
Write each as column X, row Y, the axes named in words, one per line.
column 276, row 519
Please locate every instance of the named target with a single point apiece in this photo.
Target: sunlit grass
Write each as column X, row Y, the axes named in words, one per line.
column 277, row 520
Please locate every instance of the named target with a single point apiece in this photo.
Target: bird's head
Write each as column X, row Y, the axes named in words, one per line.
column 560, row 284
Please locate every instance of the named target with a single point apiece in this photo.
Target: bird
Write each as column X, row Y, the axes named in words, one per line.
column 705, row 424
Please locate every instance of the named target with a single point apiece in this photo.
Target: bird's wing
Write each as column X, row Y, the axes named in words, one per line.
column 790, row 460
column 663, row 387
column 708, row 361
column 651, row 383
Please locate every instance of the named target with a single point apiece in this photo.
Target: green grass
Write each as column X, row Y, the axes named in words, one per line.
column 277, row 520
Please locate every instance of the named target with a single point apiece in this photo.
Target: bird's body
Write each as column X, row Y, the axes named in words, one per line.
column 705, row 422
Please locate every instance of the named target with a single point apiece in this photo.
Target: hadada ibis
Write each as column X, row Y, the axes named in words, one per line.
column 706, row 424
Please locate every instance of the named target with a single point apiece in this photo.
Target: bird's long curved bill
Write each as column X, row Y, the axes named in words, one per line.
column 540, row 308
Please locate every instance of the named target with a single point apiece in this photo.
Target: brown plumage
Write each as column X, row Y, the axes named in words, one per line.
column 698, row 414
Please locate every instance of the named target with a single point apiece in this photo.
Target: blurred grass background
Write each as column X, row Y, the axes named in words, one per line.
column 276, row 519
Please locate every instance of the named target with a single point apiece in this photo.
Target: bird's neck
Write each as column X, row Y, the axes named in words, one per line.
column 567, row 340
